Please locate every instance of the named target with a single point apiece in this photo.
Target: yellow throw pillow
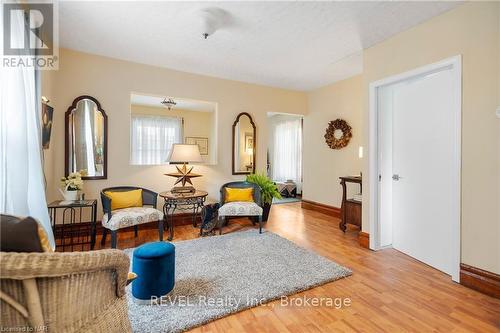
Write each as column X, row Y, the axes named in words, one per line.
column 239, row 194
column 131, row 276
column 125, row 199
column 44, row 239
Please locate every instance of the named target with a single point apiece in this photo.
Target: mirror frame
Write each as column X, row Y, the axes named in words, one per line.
column 254, row 143
column 66, row 136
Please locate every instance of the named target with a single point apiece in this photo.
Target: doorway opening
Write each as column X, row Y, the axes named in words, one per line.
column 414, row 183
column 284, row 154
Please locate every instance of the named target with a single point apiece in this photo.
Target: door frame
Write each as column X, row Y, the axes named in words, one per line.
column 455, row 65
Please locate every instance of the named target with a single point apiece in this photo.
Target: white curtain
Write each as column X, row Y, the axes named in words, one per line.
column 286, row 160
column 153, row 137
column 22, row 190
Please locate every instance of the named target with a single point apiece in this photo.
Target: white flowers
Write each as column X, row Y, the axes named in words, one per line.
column 74, row 181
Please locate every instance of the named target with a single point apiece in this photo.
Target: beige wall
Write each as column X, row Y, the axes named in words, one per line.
column 322, row 165
column 498, row 140
column 196, row 124
column 472, row 31
column 498, row 137
column 111, row 81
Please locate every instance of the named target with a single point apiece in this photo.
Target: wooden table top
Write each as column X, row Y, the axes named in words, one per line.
column 175, row 196
column 76, row 203
column 352, row 179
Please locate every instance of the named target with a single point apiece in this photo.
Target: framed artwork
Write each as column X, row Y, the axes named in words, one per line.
column 248, row 141
column 47, row 113
column 201, row 142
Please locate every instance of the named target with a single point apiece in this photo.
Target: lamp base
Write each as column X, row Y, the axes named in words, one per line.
column 183, row 189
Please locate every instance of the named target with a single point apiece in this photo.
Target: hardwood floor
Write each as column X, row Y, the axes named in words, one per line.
column 390, row 292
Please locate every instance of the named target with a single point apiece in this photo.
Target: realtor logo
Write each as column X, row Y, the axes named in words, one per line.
column 30, row 36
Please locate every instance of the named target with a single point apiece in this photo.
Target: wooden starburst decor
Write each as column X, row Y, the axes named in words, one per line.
column 183, row 175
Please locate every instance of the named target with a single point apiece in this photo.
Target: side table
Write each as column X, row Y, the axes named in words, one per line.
column 350, row 211
column 72, row 225
column 183, row 202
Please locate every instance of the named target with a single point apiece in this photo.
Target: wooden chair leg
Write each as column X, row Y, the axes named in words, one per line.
column 221, row 223
column 136, row 230
column 260, row 224
column 113, row 239
column 160, row 229
column 104, row 234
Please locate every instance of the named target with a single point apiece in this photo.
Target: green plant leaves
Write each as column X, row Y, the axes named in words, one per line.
column 267, row 187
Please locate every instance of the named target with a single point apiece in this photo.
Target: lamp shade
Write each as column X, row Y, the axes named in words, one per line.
column 182, row 153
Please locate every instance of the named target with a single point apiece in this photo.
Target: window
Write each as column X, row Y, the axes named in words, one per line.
column 287, row 150
column 152, row 138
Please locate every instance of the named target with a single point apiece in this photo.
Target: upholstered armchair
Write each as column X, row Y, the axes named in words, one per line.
column 64, row 292
column 113, row 220
column 253, row 210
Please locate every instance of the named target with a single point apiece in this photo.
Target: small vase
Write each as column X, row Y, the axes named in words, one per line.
column 69, row 195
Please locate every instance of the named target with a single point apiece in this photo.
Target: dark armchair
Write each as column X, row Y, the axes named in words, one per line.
column 127, row 217
column 253, row 210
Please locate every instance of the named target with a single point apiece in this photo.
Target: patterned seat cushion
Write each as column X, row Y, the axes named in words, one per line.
column 240, row 208
column 126, row 217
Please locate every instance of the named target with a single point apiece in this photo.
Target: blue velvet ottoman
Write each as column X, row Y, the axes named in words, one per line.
column 154, row 264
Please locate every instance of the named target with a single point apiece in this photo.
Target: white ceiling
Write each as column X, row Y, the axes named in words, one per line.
column 295, row 45
column 184, row 104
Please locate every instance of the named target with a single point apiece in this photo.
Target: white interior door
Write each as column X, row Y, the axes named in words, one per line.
column 385, row 111
column 423, row 151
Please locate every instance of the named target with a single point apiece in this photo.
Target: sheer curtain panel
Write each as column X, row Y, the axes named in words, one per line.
column 153, row 137
column 22, row 190
column 287, row 150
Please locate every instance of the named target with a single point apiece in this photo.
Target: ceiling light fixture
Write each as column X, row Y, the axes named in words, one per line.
column 213, row 19
column 168, row 103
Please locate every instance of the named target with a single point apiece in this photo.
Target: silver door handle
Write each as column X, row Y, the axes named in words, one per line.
column 396, row 177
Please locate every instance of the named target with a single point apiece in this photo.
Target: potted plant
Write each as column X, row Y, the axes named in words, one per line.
column 268, row 191
column 72, row 184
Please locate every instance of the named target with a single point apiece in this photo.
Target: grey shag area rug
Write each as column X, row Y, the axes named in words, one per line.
column 219, row 275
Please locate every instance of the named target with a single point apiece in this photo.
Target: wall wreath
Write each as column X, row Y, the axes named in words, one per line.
column 338, row 133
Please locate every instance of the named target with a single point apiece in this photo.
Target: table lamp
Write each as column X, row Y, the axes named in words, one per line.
column 183, row 153
column 250, row 156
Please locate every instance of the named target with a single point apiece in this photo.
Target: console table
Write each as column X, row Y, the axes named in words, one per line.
column 72, row 230
column 184, row 202
column 350, row 212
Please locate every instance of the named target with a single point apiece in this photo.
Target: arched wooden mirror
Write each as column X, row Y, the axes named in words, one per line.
column 244, row 137
column 86, row 138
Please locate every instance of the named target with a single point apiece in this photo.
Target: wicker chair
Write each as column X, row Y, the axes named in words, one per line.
column 64, row 292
